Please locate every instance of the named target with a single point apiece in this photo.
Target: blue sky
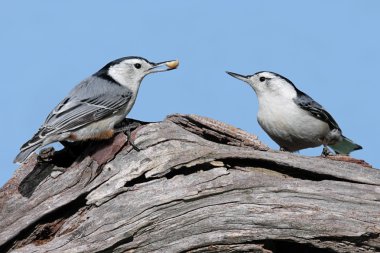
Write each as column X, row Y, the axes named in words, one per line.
column 329, row 49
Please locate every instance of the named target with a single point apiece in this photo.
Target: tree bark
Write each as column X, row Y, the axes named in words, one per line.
column 194, row 185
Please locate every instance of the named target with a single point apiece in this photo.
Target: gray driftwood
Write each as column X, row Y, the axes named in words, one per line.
column 196, row 185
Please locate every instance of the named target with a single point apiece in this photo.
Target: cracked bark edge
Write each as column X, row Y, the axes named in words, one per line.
column 217, row 131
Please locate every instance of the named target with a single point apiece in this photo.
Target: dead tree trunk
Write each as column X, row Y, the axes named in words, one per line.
column 196, row 185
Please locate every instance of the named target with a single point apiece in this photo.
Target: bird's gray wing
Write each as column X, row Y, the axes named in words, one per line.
column 315, row 109
column 79, row 113
column 72, row 114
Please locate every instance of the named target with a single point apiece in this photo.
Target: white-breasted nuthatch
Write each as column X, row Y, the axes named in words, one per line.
column 293, row 119
column 95, row 105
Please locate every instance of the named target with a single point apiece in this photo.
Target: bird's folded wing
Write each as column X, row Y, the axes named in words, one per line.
column 315, row 109
column 70, row 115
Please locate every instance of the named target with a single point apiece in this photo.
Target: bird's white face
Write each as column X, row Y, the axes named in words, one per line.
column 131, row 71
column 268, row 84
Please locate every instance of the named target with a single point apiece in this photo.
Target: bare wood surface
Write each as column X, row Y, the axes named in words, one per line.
column 196, row 185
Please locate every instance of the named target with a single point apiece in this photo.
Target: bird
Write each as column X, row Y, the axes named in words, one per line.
column 93, row 107
column 292, row 118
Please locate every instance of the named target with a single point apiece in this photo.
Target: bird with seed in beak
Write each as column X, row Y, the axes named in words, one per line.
column 95, row 105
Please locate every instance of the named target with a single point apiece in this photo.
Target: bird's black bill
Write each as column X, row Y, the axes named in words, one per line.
column 164, row 66
column 238, row 76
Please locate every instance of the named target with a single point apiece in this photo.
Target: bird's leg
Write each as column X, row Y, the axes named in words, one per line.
column 127, row 126
column 130, row 141
column 326, row 151
column 127, row 129
column 283, row 149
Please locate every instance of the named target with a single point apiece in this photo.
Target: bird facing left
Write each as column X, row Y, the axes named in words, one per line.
column 95, row 105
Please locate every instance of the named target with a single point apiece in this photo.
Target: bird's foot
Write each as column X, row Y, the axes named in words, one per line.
column 130, row 141
column 127, row 126
column 326, row 152
column 46, row 155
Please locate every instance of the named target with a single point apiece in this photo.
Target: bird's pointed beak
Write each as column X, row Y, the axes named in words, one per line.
column 238, row 76
column 164, row 66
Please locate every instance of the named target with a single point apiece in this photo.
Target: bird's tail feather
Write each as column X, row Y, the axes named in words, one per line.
column 345, row 146
column 25, row 153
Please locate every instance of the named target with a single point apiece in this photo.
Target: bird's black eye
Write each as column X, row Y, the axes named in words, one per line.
column 262, row 79
column 137, row 65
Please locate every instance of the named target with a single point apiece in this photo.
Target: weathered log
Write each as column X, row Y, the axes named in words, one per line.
column 195, row 185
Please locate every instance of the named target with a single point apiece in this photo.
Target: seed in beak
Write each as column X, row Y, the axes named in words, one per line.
column 172, row 64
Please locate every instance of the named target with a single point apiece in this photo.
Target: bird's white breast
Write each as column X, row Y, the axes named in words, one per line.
column 290, row 126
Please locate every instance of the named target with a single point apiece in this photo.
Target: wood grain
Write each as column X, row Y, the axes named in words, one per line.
column 196, row 185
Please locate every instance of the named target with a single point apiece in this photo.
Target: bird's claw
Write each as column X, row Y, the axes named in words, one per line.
column 46, row 155
column 130, row 141
column 134, row 145
column 127, row 126
column 326, row 152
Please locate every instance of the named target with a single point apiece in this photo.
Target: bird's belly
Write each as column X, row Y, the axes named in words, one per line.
column 294, row 130
column 103, row 129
